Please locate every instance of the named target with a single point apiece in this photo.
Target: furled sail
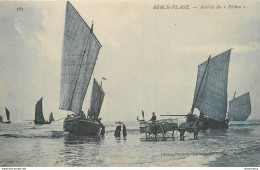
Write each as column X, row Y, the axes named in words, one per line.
column 38, row 112
column 240, row 108
column 7, row 114
column 97, row 98
column 79, row 55
column 211, row 87
column 51, row 117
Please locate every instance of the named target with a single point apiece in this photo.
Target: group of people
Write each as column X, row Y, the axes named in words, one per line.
column 118, row 131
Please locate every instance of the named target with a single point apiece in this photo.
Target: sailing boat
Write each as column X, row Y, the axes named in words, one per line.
column 7, row 116
column 39, row 118
column 51, row 119
column 79, row 55
column 210, row 95
column 240, row 108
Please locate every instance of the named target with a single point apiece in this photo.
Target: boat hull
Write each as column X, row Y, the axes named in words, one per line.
column 41, row 123
column 7, row 122
column 214, row 124
column 80, row 126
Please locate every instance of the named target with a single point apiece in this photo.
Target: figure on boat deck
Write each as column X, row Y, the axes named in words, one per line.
column 153, row 119
column 124, row 131
column 118, row 131
column 90, row 115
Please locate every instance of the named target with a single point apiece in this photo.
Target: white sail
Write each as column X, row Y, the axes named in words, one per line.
column 97, row 98
column 211, row 88
column 79, row 55
column 240, row 108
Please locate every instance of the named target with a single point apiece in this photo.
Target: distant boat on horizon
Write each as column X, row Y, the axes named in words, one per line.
column 51, row 119
column 7, row 116
column 39, row 118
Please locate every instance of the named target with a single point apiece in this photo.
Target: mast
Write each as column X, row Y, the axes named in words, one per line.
column 79, row 55
column 234, row 96
column 192, row 108
column 78, row 75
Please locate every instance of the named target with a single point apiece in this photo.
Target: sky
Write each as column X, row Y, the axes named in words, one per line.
column 148, row 56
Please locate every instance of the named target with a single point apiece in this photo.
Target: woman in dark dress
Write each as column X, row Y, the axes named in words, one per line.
column 117, row 131
column 124, row 131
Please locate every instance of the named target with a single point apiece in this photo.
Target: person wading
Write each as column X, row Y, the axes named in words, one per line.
column 117, row 131
column 124, row 131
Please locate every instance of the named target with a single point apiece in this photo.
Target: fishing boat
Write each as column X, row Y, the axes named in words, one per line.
column 51, row 119
column 79, row 56
column 7, row 116
column 39, row 118
column 239, row 108
column 210, row 96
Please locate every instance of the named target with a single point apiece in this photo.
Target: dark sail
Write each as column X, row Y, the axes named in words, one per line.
column 240, row 108
column 7, row 114
column 38, row 112
column 1, row 119
column 51, row 117
column 97, row 98
column 79, row 55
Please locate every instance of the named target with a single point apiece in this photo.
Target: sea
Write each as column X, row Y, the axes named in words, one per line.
column 23, row 144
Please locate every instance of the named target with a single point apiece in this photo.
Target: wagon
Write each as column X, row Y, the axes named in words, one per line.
column 160, row 130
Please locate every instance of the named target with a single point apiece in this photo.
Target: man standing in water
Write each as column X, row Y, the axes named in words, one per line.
column 117, row 131
column 124, row 131
column 102, row 133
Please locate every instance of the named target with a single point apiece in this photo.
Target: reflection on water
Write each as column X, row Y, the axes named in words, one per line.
column 74, row 139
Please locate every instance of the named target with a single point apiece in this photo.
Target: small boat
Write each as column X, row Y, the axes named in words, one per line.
column 7, row 116
column 51, row 119
column 39, row 118
column 239, row 108
column 79, row 56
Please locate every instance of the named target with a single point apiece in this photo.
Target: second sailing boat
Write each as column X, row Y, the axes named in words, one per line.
column 210, row 95
column 240, row 108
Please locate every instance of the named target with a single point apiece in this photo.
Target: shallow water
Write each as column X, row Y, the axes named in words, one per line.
column 27, row 145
